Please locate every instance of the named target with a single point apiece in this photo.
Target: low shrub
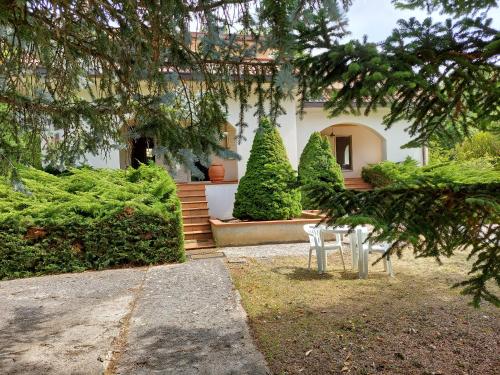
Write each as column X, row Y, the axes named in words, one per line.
column 482, row 145
column 268, row 190
column 388, row 172
column 317, row 166
column 474, row 171
column 89, row 219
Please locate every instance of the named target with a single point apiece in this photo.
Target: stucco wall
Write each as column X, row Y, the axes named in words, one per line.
column 104, row 161
column 220, row 198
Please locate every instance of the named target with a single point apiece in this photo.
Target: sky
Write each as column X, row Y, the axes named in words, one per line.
column 377, row 18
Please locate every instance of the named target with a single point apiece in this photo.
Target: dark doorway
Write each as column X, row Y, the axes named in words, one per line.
column 343, row 152
column 142, row 151
column 203, row 170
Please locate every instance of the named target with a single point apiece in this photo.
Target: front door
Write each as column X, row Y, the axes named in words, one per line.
column 142, row 151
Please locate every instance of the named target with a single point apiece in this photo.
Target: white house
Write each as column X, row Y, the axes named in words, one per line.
column 356, row 142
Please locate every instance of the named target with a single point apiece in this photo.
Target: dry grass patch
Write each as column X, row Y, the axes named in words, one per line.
column 306, row 323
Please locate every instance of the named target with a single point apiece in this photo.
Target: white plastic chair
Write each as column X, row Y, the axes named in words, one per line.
column 316, row 241
column 360, row 251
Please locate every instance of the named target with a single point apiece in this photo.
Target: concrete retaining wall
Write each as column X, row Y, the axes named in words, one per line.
column 259, row 232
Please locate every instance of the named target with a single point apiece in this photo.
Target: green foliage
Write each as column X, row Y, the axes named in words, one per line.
column 268, row 191
column 434, row 220
column 318, row 166
column 387, row 172
column 89, row 219
column 436, row 75
column 456, row 7
column 87, row 71
column 440, row 153
column 480, row 145
column 17, row 145
column 408, row 173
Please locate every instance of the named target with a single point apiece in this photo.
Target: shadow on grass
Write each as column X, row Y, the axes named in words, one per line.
column 305, row 274
column 301, row 273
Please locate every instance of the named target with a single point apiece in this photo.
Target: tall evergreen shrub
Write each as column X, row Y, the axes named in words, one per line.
column 268, row 191
column 318, row 166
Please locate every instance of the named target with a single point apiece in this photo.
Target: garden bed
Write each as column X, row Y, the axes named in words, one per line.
column 238, row 233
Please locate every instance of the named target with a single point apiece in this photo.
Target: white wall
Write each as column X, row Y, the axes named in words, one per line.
column 220, row 198
column 296, row 132
column 287, row 129
column 112, row 160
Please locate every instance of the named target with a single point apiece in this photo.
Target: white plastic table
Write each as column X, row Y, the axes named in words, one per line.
column 358, row 260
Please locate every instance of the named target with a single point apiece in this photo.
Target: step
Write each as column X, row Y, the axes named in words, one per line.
column 197, row 226
column 205, row 254
column 190, row 193
column 195, row 204
column 190, row 212
column 198, row 235
column 192, row 198
column 200, row 219
column 359, row 185
column 190, row 187
column 195, row 246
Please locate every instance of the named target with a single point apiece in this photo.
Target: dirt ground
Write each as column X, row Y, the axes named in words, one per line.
column 414, row 323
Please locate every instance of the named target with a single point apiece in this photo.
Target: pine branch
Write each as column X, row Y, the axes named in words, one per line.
column 433, row 219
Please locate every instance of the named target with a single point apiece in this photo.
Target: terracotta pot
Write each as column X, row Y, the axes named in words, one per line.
column 216, row 172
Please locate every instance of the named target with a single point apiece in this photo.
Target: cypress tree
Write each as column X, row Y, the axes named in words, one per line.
column 268, row 191
column 317, row 166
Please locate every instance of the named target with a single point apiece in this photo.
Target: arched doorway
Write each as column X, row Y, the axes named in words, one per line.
column 355, row 146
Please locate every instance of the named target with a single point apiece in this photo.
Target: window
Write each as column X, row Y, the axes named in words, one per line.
column 343, row 152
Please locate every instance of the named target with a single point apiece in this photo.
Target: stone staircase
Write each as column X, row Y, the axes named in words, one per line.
column 197, row 231
column 357, row 183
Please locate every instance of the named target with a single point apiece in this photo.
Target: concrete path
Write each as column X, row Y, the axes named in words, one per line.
column 267, row 251
column 176, row 319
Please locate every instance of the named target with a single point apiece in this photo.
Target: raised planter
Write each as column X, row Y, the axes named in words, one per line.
column 261, row 232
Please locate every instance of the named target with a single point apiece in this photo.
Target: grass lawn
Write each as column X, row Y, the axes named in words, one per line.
column 306, row 323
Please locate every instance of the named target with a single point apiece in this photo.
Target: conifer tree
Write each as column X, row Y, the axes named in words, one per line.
column 101, row 73
column 317, row 166
column 442, row 77
column 268, row 190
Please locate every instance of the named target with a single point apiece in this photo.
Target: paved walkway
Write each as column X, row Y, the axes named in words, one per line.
column 176, row 319
column 267, row 251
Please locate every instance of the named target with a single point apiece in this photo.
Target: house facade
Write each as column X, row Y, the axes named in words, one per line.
column 356, row 142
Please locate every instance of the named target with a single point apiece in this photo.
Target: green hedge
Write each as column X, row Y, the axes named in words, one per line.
column 269, row 190
column 317, row 166
column 89, row 219
column 473, row 171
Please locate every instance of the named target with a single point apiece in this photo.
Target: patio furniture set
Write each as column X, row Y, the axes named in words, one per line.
column 360, row 247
